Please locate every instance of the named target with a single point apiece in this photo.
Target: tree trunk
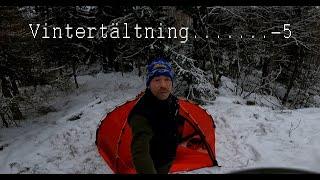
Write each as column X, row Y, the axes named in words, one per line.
column 14, row 86
column 5, row 88
column 16, row 113
column 105, row 58
column 74, row 69
column 105, row 64
column 4, row 121
column 13, row 106
column 293, row 76
column 110, row 54
column 265, row 73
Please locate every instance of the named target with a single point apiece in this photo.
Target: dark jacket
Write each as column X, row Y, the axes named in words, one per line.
column 155, row 130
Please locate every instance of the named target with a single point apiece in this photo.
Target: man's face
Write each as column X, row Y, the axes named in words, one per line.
column 161, row 87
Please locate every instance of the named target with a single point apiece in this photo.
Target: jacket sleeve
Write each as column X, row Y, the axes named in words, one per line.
column 141, row 136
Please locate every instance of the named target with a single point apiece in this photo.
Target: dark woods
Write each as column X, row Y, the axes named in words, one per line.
column 257, row 61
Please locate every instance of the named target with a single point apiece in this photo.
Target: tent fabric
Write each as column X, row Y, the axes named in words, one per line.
column 113, row 138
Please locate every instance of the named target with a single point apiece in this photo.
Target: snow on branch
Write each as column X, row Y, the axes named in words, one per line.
column 198, row 82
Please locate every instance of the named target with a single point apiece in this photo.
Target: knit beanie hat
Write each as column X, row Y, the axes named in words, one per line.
column 159, row 67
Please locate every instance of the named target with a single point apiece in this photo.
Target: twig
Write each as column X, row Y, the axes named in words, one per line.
column 293, row 128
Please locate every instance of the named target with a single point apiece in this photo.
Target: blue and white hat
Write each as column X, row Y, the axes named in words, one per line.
column 159, row 67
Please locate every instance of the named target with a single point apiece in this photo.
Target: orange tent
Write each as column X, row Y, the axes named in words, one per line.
column 197, row 150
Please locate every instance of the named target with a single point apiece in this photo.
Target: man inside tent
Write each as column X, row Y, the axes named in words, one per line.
column 154, row 122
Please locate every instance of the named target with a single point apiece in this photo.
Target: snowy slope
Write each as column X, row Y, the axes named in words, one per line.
column 246, row 136
column 251, row 137
column 63, row 141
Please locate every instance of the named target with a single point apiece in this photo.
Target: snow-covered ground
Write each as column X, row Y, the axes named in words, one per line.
column 63, row 141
